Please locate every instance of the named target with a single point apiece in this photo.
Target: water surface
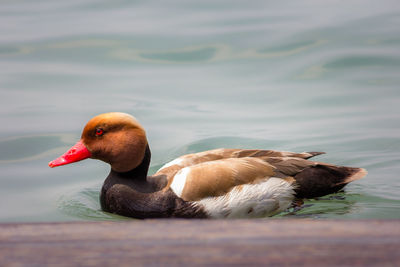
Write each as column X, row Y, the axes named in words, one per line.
column 297, row 76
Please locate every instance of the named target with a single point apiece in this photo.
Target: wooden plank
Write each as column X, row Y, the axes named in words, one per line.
column 202, row 242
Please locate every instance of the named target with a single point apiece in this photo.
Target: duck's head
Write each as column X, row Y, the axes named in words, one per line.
column 116, row 138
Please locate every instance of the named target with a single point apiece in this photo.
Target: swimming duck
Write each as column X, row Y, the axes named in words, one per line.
column 219, row 183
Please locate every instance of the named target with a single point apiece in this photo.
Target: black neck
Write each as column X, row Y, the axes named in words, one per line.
column 136, row 178
column 138, row 173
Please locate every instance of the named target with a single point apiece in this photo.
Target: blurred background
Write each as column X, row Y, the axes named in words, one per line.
column 287, row 75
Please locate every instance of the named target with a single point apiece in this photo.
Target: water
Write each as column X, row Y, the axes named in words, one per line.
column 298, row 76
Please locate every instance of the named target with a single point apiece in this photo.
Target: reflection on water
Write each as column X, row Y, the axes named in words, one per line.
column 84, row 204
column 324, row 207
column 304, row 76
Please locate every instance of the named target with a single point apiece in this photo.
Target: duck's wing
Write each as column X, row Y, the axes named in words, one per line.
column 171, row 168
column 217, row 177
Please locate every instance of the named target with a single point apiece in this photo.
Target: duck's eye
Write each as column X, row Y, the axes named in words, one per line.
column 99, row 132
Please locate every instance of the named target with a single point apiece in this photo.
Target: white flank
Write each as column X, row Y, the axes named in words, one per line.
column 173, row 162
column 251, row 200
column 179, row 181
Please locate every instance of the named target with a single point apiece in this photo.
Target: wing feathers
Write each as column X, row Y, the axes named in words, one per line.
column 216, row 178
column 215, row 172
column 287, row 166
column 171, row 168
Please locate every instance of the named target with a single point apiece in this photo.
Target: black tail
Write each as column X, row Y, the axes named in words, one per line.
column 320, row 180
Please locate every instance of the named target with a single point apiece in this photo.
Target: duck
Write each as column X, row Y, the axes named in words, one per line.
column 219, row 183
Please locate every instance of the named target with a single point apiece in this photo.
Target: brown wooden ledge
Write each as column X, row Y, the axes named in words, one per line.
column 202, row 242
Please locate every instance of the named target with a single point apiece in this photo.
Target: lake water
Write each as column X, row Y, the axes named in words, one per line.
column 287, row 75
